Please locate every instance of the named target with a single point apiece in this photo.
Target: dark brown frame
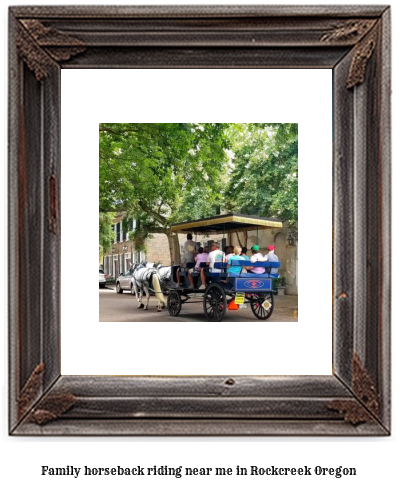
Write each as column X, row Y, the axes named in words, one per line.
column 353, row 41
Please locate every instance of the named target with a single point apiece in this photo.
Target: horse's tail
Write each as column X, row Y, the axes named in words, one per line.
column 157, row 289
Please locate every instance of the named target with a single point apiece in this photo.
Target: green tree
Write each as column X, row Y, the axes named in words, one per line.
column 161, row 173
column 264, row 179
column 106, row 233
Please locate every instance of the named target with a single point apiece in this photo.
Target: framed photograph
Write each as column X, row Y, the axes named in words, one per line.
column 353, row 43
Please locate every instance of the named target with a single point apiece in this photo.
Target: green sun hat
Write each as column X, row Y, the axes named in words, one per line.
column 255, row 248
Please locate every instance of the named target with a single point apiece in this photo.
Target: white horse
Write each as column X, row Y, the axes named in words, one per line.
column 165, row 276
column 145, row 279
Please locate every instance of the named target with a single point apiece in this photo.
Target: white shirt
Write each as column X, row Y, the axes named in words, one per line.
column 255, row 258
column 215, row 257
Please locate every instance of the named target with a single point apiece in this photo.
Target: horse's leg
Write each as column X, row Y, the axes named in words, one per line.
column 142, row 292
column 158, row 293
column 135, row 288
column 147, row 293
column 161, row 304
column 138, row 294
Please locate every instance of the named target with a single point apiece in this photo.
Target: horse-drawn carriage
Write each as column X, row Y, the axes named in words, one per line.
column 228, row 291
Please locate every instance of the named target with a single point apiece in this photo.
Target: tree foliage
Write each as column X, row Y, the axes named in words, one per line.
column 106, row 234
column 153, row 167
column 163, row 173
column 264, row 178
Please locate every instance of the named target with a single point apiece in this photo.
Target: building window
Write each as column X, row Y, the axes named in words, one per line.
column 118, row 232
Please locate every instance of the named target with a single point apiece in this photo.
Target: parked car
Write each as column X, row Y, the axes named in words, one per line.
column 103, row 278
column 124, row 282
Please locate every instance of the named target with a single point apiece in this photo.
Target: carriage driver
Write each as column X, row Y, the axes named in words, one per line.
column 189, row 248
column 215, row 256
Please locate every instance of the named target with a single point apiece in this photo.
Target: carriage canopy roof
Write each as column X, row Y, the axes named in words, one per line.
column 233, row 222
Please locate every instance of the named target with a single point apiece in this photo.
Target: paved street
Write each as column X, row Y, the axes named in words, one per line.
column 123, row 308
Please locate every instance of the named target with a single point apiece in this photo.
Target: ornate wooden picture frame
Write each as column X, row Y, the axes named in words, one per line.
column 352, row 41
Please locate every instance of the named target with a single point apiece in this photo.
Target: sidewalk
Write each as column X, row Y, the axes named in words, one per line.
column 287, row 302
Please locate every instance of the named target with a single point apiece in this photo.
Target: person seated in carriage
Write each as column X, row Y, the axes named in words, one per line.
column 244, row 253
column 228, row 253
column 235, row 257
column 215, row 256
column 271, row 256
column 256, row 256
column 201, row 257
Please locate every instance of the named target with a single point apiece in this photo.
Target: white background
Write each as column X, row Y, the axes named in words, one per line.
column 374, row 458
column 89, row 97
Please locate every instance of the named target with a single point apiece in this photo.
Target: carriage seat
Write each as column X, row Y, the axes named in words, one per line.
column 268, row 265
column 209, row 273
column 197, row 272
column 185, row 269
column 253, row 275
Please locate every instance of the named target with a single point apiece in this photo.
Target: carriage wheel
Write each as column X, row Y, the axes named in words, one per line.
column 174, row 303
column 215, row 303
column 257, row 305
